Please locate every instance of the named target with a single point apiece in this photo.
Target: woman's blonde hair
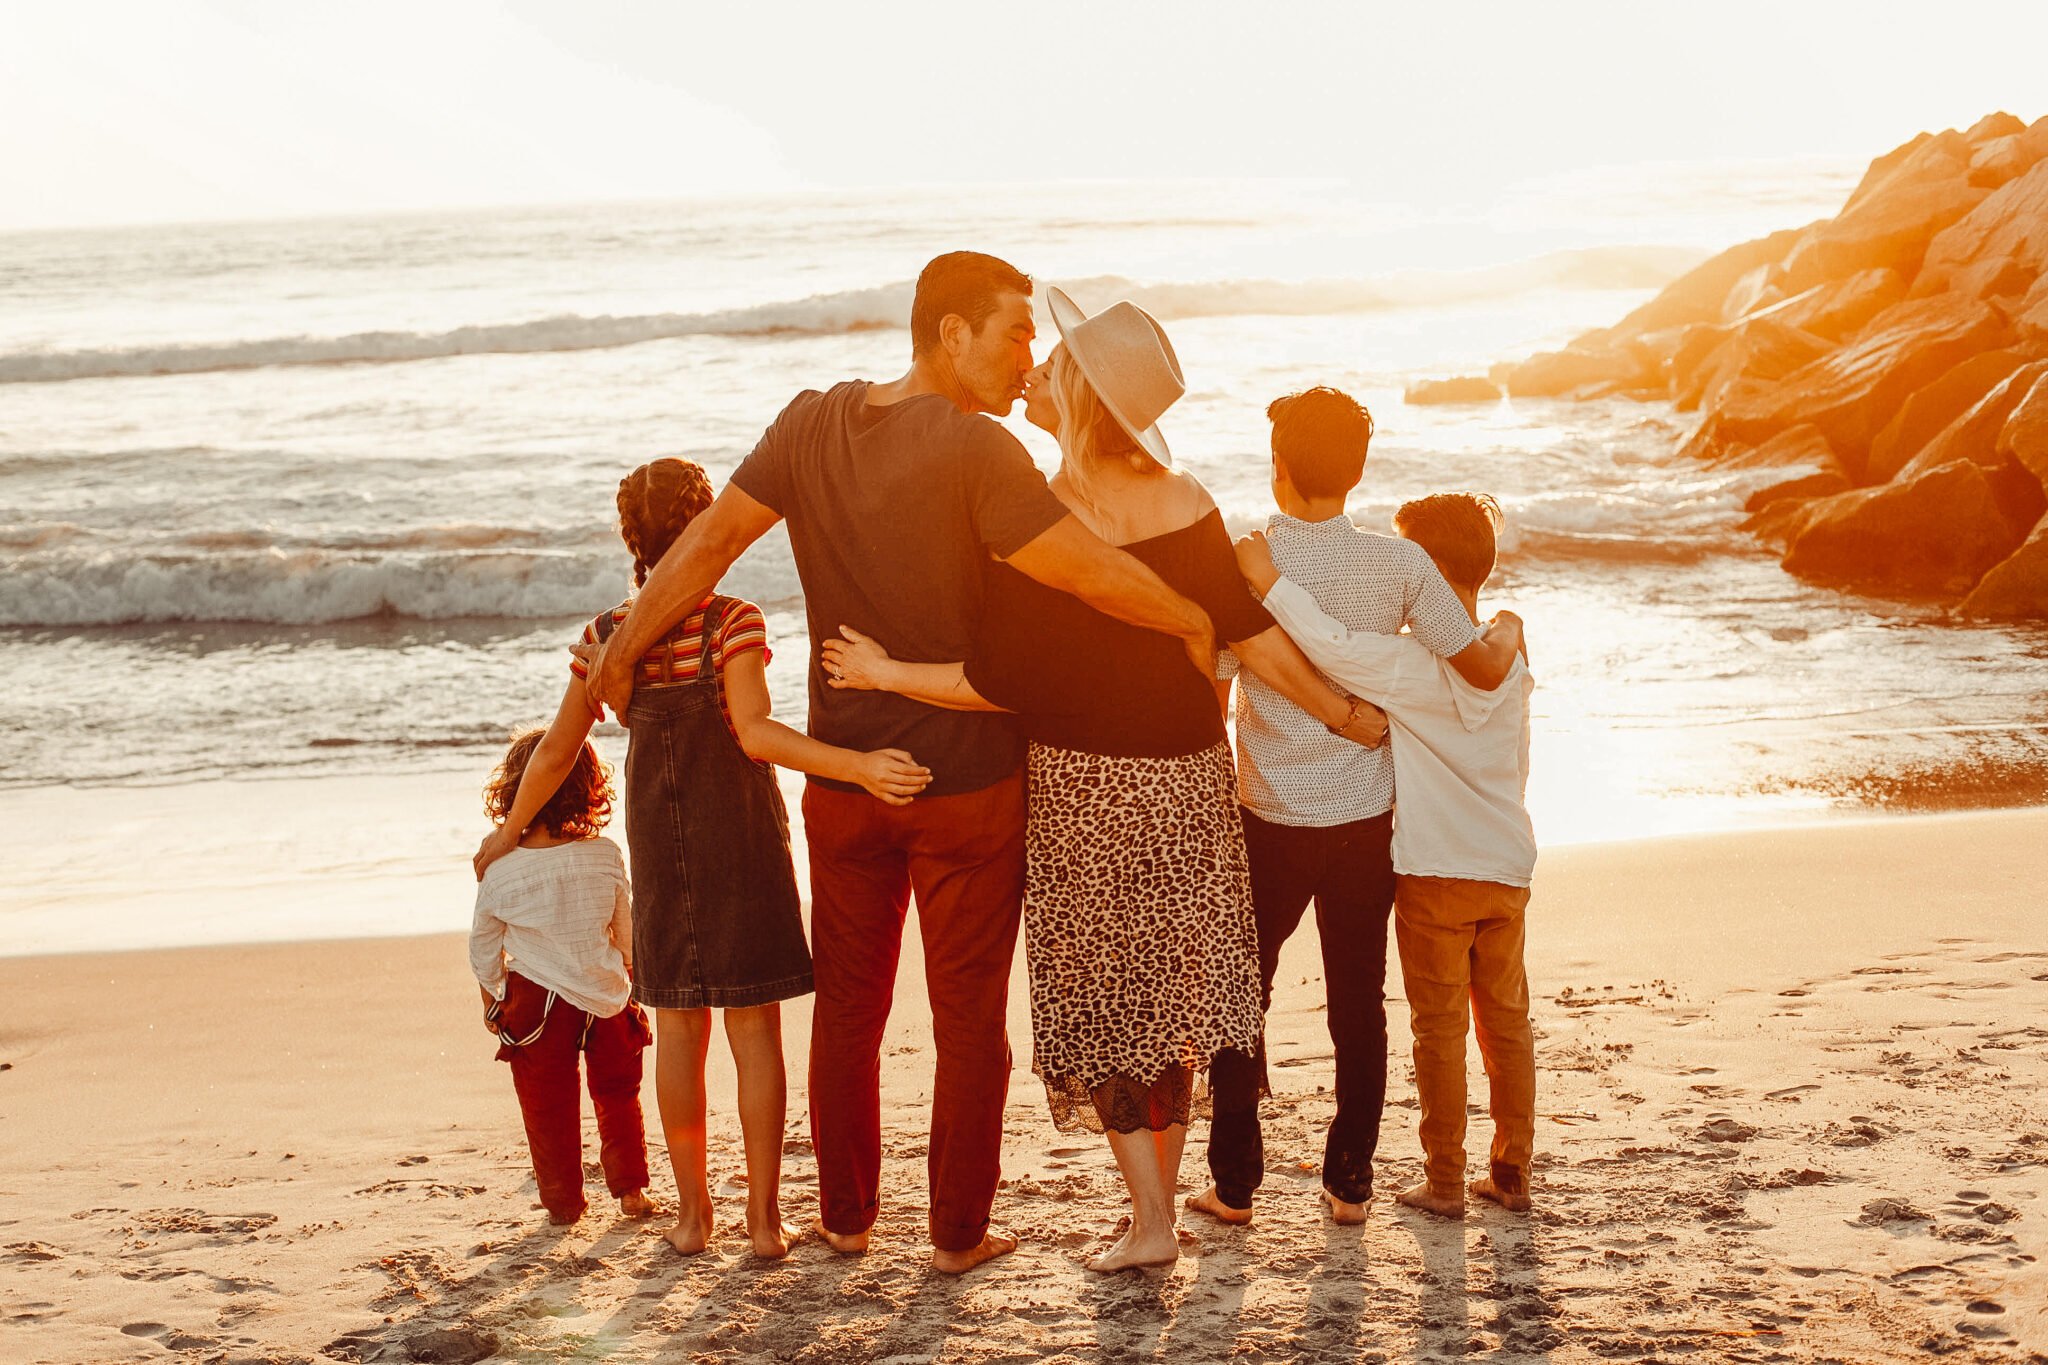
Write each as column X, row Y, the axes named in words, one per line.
column 1090, row 436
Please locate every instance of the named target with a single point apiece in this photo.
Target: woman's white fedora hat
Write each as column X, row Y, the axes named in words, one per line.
column 1124, row 353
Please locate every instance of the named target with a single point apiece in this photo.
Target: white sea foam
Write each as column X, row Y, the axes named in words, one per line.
column 885, row 306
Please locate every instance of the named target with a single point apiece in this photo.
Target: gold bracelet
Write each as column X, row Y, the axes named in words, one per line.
column 1350, row 717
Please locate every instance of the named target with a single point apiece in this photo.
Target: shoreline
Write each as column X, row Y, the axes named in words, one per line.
column 1793, row 1105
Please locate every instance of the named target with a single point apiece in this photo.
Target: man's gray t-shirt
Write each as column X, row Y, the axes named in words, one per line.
column 894, row 513
column 1291, row 769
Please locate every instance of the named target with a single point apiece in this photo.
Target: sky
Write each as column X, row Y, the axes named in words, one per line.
column 171, row 110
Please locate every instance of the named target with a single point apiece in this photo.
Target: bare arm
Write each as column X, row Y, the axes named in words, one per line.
column 1485, row 662
column 890, row 774
column 1279, row 662
column 690, row 569
column 856, row 661
column 1069, row 557
column 553, row 759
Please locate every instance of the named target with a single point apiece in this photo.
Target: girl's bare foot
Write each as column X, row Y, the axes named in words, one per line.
column 992, row 1245
column 1211, row 1203
column 691, row 1233
column 1157, row 1247
column 1422, row 1196
column 1486, row 1187
column 638, row 1205
column 1346, row 1212
column 846, row 1244
column 773, row 1239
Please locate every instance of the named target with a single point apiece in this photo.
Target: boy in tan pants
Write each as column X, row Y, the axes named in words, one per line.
column 1463, row 848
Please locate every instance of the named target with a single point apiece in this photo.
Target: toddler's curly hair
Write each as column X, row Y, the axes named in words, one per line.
column 579, row 807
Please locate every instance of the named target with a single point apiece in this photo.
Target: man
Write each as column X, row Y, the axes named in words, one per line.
column 896, row 496
column 1317, row 810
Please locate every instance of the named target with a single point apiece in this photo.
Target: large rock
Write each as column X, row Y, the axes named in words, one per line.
column 2030, row 315
column 1699, row 294
column 1468, row 388
column 1975, row 435
column 1991, row 126
column 2015, row 588
column 2025, row 437
column 1890, row 226
column 1759, row 348
column 1880, row 169
column 1842, row 308
column 1801, row 448
column 1550, row 374
column 1852, row 393
column 1804, row 488
column 1936, row 534
column 1923, row 415
column 2000, row 248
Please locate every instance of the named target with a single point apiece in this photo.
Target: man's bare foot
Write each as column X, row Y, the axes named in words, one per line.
column 772, row 1240
column 1346, row 1212
column 992, row 1245
column 1158, row 1247
column 1211, row 1203
column 1486, row 1187
column 563, row 1220
column 691, row 1233
column 1422, row 1196
column 846, row 1244
column 638, row 1205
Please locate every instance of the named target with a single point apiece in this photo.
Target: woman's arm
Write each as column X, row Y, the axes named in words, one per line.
column 1280, row 664
column 856, row 661
column 890, row 774
column 553, row 759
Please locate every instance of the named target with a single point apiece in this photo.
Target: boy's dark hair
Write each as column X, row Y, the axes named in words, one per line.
column 1320, row 437
column 579, row 807
column 966, row 283
column 1458, row 531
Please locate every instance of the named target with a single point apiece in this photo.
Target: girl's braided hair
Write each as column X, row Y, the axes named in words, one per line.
column 656, row 501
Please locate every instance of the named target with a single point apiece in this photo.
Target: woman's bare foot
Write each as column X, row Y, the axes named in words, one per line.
column 1346, row 1212
column 638, row 1205
column 1211, row 1203
column 992, row 1245
column 691, row 1233
column 772, row 1239
column 1158, row 1246
column 846, row 1244
column 1486, row 1187
column 1422, row 1196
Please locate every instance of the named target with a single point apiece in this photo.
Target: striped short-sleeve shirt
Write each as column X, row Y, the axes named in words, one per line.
column 673, row 661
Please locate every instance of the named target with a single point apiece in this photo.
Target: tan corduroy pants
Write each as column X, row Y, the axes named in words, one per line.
column 1462, row 940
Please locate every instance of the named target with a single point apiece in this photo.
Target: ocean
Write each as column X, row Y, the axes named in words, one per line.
column 329, row 497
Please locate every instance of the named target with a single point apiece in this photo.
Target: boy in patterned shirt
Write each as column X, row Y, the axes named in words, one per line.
column 1318, row 809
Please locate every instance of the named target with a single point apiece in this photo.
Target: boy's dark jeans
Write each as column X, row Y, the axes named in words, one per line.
column 1348, row 871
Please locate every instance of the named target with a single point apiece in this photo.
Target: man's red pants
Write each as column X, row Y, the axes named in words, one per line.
column 963, row 856
column 544, row 1074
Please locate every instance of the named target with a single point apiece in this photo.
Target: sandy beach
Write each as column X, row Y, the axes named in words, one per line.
column 1791, row 1109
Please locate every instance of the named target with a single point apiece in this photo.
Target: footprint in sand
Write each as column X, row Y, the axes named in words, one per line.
column 1790, row 1092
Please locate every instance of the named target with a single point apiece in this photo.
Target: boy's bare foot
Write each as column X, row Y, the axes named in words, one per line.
column 1486, row 1187
column 1422, row 1195
column 1211, row 1203
column 638, row 1205
column 993, row 1244
column 691, row 1234
column 772, row 1241
column 1157, row 1247
column 846, row 1244
column 1346, row 1212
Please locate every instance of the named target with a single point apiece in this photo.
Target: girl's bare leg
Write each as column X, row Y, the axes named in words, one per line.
column 681, row 1039
column 755, row 1036
column 1150, row 1240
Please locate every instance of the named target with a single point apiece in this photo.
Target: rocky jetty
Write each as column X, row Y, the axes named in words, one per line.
column 1891, row 361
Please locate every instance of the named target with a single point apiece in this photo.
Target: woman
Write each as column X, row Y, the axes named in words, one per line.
column 1137, row 904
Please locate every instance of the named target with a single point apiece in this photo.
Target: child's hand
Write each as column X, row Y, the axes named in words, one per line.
column 1255, row 562
column 892, row 775
column 856, row 661
column 1508, row 622
column 496, row 845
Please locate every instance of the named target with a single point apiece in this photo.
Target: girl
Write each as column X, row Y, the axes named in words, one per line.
column 551, row 947
column 716, row 923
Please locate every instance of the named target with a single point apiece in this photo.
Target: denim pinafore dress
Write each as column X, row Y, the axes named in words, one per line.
column 716, row 914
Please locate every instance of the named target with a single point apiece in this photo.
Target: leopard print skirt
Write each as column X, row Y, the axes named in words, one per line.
column 1138, row 931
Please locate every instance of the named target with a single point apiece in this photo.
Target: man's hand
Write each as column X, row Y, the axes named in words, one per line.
column 1255, row 562
column 496, row 845
column 604, row 685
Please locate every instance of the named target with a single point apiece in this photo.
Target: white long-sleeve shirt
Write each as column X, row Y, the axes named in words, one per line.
column 1461, row 755
column 561, row 917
